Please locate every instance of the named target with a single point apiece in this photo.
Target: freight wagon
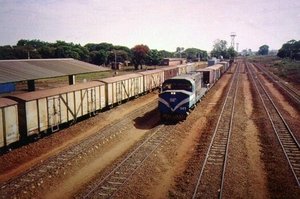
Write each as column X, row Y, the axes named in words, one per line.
column 122, row 88
column 208, row 76
column 170, row 72
column 9, row 126
column 30, row 115
column 152, row 79
column 217, row 70
column 43, row 111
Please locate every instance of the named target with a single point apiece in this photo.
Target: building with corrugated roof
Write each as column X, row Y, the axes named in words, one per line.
column 29, row 70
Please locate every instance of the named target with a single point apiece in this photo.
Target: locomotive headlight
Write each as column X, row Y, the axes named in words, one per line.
column 173, row 93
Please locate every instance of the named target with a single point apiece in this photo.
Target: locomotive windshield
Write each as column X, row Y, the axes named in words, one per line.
column 177, row 84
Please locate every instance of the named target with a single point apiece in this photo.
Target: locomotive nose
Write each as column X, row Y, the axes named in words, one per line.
column 174, row 102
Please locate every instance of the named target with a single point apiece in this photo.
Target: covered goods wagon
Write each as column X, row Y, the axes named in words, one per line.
column 170, row 71
column 152, row 79
column 9, row 126
column 208, row 76
column 43, row 111
column 123, row 87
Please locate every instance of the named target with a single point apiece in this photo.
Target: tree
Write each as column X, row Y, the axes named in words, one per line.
column 179, row 51
column 290, row 49
column 231, row 52
column 139, row 53
column 123, row 53
column 263, row 50
column 7, row 52
column 70, row 50
column 117, row 56
column 105, row 53
column 195, row 54
column 166, row 54
column 98, row 57
column 220, row 49
column 153, row 58
column 47, row 52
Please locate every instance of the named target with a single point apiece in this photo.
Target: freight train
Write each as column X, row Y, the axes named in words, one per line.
column 30, row 115
column 180, row 94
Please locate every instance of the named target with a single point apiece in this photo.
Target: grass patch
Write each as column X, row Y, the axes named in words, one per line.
column 288, row 70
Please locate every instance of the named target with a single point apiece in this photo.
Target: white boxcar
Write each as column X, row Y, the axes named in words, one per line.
column 208, row 76
column 218, row 68
column 9, row 125
column 190, row 67
column 225, row 64
column 152, row 79
column 123, row 87
column 46, row 109
column 182, row 69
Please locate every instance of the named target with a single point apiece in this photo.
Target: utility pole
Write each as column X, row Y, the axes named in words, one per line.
column 115, row 53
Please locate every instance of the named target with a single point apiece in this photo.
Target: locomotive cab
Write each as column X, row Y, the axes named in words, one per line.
column 177, row 84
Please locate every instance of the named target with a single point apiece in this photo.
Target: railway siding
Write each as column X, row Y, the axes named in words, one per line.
column 26, row 184
column 209, row 185
column 286, row 138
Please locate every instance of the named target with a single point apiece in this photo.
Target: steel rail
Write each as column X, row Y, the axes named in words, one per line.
column 291, row 91
column 114, row 180
column 221, row 133
column 285, row 136
column 22, row 184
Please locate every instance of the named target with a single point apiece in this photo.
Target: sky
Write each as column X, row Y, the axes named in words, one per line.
column 159, row 24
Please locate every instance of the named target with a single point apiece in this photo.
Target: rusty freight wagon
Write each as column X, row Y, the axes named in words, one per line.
column 170, row 71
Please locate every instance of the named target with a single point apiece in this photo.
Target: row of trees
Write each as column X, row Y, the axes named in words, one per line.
column 220, row 49
column 290, row 49
column 99, row 54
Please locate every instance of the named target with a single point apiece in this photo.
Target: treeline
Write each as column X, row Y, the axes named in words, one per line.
column 99, row 54
column 290, row 49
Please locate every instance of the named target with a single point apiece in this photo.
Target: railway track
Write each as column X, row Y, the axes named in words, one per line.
column 109, row 185
column 286, row 138
column 294, row 94
column 26, row 184
column 211, row 186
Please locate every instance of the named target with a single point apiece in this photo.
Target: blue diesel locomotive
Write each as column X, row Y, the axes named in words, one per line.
column 179, row 95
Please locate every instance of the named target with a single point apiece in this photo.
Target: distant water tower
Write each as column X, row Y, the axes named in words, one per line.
column 232, row 35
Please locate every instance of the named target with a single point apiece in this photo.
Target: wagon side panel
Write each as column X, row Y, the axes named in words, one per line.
column 43, row 115
column 54, row 112
column 84, row 101
column 71, row 106
column 102, row 96
column 97, row 98
column 140, row 85
column 11, row 125
column 110, row 94
column 31, row 117
column 64, row 104
column 78, row 103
